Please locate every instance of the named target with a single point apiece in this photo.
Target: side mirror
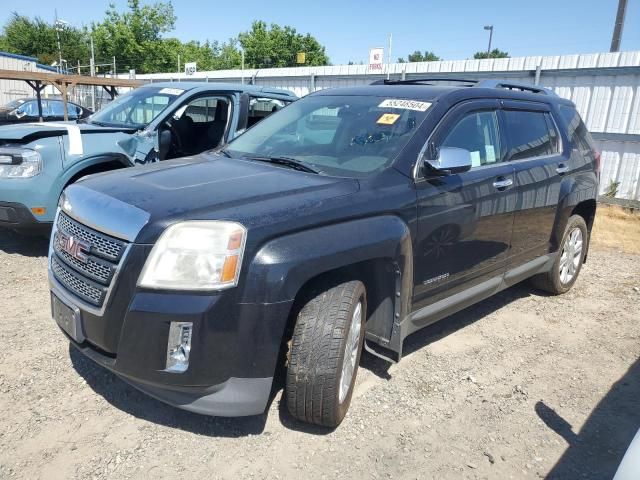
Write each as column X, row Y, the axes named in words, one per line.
column 451, row 160
column 164, row 144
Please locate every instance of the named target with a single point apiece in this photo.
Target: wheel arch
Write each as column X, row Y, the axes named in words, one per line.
column 376, row 251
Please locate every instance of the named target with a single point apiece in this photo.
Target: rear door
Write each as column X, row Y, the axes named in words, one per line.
column 464, row 220
column 534, row 151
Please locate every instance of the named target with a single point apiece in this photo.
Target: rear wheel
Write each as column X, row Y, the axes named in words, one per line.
column 325, row 353
column 569, row 260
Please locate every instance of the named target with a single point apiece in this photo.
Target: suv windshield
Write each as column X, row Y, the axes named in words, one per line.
column 137, row 108
column 337, row 135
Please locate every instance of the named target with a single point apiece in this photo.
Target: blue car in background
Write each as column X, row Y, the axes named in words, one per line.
column 155, row 122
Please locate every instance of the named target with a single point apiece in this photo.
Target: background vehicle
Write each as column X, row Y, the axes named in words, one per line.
column 151, row 123
column 318, row 233
column 25, row 110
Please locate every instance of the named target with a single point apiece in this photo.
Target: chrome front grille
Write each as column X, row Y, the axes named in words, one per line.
column 87, row 273
column 103, row 245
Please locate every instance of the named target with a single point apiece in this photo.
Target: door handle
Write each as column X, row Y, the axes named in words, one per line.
column 562, row 169
column 502, row 183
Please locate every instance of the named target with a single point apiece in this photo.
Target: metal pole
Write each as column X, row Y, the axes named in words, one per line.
column 92, row 66
column 113, row 75
column 58, row 38
column 490, row 38
column 617, row 30
column 389, row 56
column 242, row 67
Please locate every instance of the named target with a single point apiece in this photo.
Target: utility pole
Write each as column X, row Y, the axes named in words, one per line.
column 490, row 28
column 242, row 66
column 389, row 56
column 617, row 29
column 178, row 66
column 92, row 67
column 113, row 74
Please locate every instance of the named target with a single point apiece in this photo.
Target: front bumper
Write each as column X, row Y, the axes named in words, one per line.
column 234, row 354
column 18, row 216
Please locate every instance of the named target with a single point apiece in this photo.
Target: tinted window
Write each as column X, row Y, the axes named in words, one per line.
column 29, row 108
column 576, row 129
column 529, row 134
column 478, row 133
column 57, row 109
column 260, row 108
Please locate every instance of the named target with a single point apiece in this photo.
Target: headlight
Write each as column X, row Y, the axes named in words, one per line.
column 196, row 255
column 19, row 162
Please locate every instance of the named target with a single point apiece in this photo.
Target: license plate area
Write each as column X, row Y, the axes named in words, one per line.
column 67, row 318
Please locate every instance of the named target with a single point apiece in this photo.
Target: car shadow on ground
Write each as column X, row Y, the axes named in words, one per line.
column 449, row 325
column 32, row 245
column 126, row 398
column 597, row 449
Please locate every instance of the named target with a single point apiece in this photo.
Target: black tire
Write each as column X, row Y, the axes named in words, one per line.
column 318, row 348
column 551, row 281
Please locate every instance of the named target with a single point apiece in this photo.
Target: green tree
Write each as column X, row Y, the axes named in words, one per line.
column 134, row 37
column 418, row 56
column 276, row 46
column 495, row 53
column 37, row 38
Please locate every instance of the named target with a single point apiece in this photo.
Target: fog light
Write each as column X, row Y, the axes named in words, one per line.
column 179, row 346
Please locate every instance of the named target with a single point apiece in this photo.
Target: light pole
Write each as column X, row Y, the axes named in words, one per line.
column 59, row 24
column 490, row 28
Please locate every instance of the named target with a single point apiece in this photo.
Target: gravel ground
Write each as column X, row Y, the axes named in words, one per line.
column 519, row 386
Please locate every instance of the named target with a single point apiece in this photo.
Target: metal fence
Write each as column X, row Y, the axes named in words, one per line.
column 604, row 86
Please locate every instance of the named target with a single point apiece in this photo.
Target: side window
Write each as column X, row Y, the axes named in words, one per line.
column 203, row 110
column 144, row 111
column 29, row 108
column 577, row 130
column 260, row 108
column 478, row 133
column 529, row 134
column 56, row 109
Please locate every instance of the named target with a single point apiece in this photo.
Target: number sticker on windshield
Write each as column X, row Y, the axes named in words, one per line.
column 405, row 104
column 171, row 91
column 388, row 118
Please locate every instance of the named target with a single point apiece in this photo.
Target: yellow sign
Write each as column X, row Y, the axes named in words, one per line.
column 388, row 118
column 301, row 57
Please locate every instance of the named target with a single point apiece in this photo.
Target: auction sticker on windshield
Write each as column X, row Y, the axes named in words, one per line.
column 405, row 104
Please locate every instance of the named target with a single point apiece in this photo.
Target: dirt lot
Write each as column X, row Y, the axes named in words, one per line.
column 520, row 386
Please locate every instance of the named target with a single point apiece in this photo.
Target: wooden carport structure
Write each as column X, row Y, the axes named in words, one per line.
column 39, row 80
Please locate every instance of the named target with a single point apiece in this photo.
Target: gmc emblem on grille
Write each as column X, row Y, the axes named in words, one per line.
column 73, row 246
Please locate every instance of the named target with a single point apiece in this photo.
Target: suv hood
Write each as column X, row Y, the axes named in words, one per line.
column 28, row 132
column 206, row 187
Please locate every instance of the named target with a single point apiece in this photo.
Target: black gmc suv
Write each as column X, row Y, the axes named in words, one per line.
column 347, row 220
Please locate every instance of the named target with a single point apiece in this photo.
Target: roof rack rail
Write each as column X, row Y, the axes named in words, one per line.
column 414, row 81
column 487, row 83
column 523, row 87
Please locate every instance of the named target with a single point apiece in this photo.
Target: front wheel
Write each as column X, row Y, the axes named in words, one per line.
column 569, row 260
column 325, row 353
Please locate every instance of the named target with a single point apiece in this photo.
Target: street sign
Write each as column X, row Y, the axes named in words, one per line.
column 376, row 59
column 190, row 68
column 301, row 57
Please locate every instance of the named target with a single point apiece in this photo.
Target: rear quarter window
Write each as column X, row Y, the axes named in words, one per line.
column 576, row 129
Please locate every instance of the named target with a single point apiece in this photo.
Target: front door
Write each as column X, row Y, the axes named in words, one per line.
column 465, row 220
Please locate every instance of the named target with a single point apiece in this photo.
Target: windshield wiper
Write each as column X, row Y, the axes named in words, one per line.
column 286, row 162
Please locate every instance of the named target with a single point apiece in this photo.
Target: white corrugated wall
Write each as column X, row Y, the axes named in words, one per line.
column 604, row 86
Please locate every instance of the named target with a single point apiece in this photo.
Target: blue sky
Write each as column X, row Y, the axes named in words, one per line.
column 452, row 29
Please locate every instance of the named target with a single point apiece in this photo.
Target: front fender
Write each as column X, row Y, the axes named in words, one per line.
column 282, row 266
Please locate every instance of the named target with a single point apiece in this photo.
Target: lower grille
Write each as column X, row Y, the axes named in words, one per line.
column 77, row 285
column 84, row 260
